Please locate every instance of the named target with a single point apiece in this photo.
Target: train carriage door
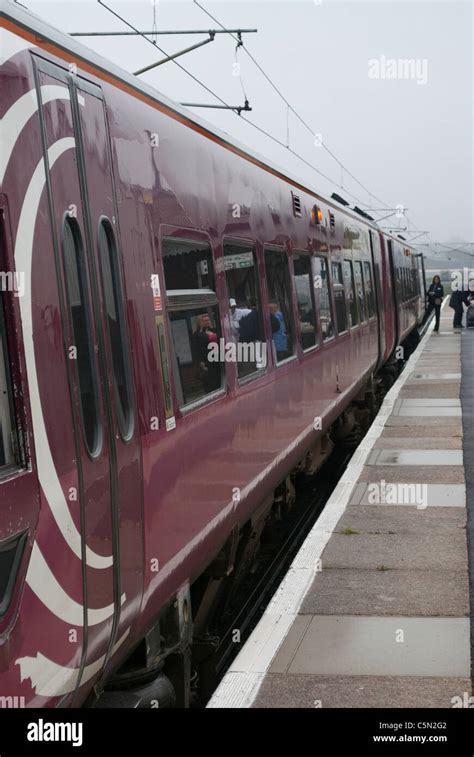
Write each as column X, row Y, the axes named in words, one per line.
column 379, row 298
column 111, row 305
column 80, row 453
column 421, row 283
column 103, row 449
column 396, row 289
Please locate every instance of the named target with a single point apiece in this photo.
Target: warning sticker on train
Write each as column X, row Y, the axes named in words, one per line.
column 155, row 286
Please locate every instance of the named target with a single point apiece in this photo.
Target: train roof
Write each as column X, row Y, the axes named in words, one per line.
column 30, row 22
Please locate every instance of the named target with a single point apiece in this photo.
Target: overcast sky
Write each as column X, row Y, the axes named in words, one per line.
column 340, row 65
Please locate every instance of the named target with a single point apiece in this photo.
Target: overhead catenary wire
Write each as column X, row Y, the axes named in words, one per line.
column 263, row 131
column 290, row 107
column 155, row 25
column 229, row 107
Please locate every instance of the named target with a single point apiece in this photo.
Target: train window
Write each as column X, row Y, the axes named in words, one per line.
column 369, row 288
column 378, row 288
column 79, row 309
column 305, row 301
column 321, row 282
column 116, row 327
column 349, row 276
column 280, row 303
column 398, row 284
column 187, row 265
column 7, row 450
column 165, row 371
column 8, row 430
column 339, row 297
column 418, row 276
column 360, row 290
column 245, row 307
column 194, row 319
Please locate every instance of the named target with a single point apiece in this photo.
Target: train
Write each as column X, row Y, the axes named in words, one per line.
column 136, row 476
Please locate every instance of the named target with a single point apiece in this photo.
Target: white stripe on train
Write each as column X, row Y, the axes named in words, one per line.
column 49, row 591
column 46, row 469
column 49, row 679
column 18, row 115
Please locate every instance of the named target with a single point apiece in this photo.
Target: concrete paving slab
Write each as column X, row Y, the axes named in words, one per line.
column 283, row 658
column 388, row 441
column 428, row 402
column 411, row 427
column 430, row 426
column 434, row 376
column 445, row 412
column 413, row 593
column 433, row 495
column 398, row 537
column 446, row 390
column 338, row 645
column 413, row 474
column 427, row 360
column 310, row 691
column 442, row 352
column 444, row 366
column 402, row 520
column 447, row 360
column 415, row 457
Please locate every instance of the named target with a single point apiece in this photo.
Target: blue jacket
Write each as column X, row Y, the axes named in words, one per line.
column 280, row 338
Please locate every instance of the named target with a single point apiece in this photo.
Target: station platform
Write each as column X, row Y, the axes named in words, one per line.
column 375, row 609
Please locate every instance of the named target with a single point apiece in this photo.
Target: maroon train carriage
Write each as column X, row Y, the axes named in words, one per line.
column 134, row 480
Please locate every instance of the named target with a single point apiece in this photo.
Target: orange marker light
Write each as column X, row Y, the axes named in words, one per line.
column 316, row 215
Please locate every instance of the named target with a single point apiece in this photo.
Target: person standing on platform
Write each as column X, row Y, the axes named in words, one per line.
column 457, row 302
column 435, row 299
column 210, row 372
column 236, row 315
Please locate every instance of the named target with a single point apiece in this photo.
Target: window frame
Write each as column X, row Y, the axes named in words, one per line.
column 353, row 287
column 342, row 285
column 83, row 277
column 367, row 296
column 269, row 247
column 318, row 340
column 16, row 378
column 209, row 299
column 325, row 256
column 7, row 468
column 126, row 429
column 246, row 242
column 365, row 320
